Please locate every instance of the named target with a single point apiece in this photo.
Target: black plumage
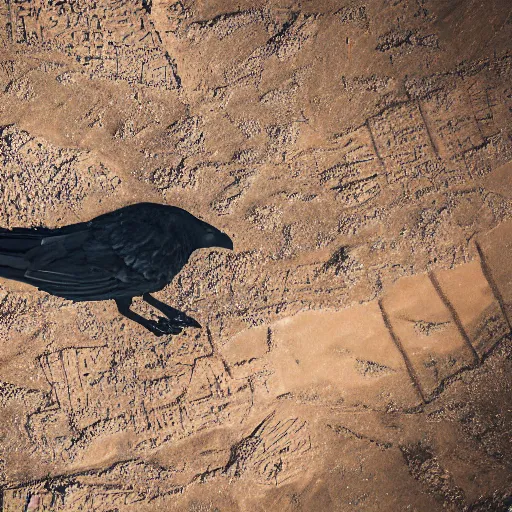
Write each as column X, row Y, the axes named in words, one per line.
column 129, row 252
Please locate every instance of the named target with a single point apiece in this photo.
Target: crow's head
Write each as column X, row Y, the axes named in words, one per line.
column 205, row 236
column 213, row 237
column 201, row 234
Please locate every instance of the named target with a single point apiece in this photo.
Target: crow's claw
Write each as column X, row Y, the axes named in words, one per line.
column 162, row 327
column 153, row 327
column 183, row 320
column 168, row 326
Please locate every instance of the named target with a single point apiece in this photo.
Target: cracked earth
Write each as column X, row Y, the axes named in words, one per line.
column 356, row 345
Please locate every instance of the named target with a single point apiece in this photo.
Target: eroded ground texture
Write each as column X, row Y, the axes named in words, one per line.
column 356, row 346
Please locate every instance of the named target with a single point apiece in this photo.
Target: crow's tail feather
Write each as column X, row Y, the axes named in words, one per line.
column 14, row 244
column 13, row 260
column 13, row 273
column 20, row 239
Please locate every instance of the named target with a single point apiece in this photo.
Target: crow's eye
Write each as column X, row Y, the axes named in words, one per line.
column 210, row 236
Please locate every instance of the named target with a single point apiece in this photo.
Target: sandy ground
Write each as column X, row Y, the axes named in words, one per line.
column 356, row 349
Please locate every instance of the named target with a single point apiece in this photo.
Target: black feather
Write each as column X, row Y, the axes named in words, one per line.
column 132, row 251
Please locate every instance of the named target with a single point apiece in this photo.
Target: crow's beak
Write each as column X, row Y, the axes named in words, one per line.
column 223, row 240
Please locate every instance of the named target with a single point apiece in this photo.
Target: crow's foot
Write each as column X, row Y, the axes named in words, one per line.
column 183, row 320
column 162, row 327
column 175, row 316
column 175, row 322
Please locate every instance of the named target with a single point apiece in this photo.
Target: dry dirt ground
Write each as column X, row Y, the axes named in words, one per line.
column 356, row 349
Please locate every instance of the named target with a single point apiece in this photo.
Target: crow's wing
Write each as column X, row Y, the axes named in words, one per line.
column 153, row 245
column 73, row 265
column 117, row 254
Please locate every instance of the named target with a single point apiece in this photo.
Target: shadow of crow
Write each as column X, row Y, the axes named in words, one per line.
column 130, row 252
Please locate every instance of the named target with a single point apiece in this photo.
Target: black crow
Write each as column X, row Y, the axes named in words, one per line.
column 129, row 252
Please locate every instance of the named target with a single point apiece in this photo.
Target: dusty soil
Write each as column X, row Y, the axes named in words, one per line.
column 356, row 349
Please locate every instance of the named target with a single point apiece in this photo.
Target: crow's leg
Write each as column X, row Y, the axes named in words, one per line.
column 163, row 326
column 176, row 317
